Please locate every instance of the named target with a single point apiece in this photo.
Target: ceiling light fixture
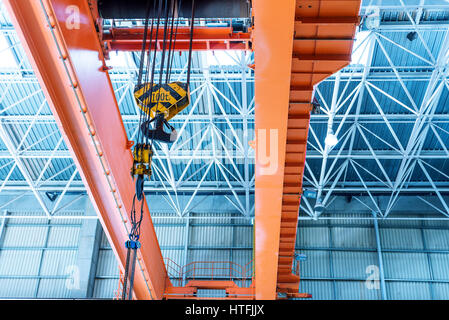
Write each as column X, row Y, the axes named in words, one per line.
column 412, row 35
column 331, row 140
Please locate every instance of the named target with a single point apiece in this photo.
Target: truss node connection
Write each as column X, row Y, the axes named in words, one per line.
column 396, row 77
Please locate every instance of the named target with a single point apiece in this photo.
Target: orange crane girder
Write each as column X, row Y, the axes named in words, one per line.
column 62, row 44
column 273, row 45
column 204, row 38
column 318, row 45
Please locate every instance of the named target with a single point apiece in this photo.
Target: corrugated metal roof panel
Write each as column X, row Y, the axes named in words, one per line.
column 353, row 264
column 312, row 237
column 341, row 214
column 63, row 236
column 436, row 239
column 317, row 264
column 355, row 290
column 408, row 291
column 170, row 236
column 353, row 238
column 436, row 223
column 54, row 288
column 15, row 222
column 441, row 291
column 18, row 236
column 177, row 256
column 242, row 260
column 209, row 255
column 57, row 262
column 401, row 265
column 18, row 288
column 105, row 288
column 243, row 236
column 19, row 263
column 107, row 264
column 104, row 244
column 439, row 263
column 320, row 290
column 401, row 238
column 398, row 225
column 213, row 236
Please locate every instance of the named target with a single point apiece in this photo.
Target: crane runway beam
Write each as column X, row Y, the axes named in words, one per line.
column 136, row 9
column 204, row 38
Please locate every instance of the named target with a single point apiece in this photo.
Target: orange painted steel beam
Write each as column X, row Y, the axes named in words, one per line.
column 273, row 45
column 211, row 284
column 191, row 289
column 69, row 64
column 322, row 45
column 204, row 38
column 231, row 297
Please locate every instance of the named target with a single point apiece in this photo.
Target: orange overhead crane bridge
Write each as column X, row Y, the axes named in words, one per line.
column 296, row 45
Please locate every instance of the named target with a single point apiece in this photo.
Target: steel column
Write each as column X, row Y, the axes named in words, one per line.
column 379, row 257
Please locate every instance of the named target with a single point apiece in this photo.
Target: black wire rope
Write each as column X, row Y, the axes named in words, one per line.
column 173, row 7
column 142, row 59
column 150, row 96
column 145, row 117
column 189, row 62
column 179, row 3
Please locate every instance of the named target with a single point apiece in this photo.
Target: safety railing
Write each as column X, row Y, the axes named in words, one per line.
column 209, row 270
column 118, row 293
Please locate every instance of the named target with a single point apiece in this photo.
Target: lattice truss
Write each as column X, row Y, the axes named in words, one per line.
column 389, row 110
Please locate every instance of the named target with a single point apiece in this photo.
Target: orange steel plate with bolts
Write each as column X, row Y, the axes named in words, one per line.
column 61, row 42
column 322, row 45
column 273, row 45
column 190, row 290
column 204, row 38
